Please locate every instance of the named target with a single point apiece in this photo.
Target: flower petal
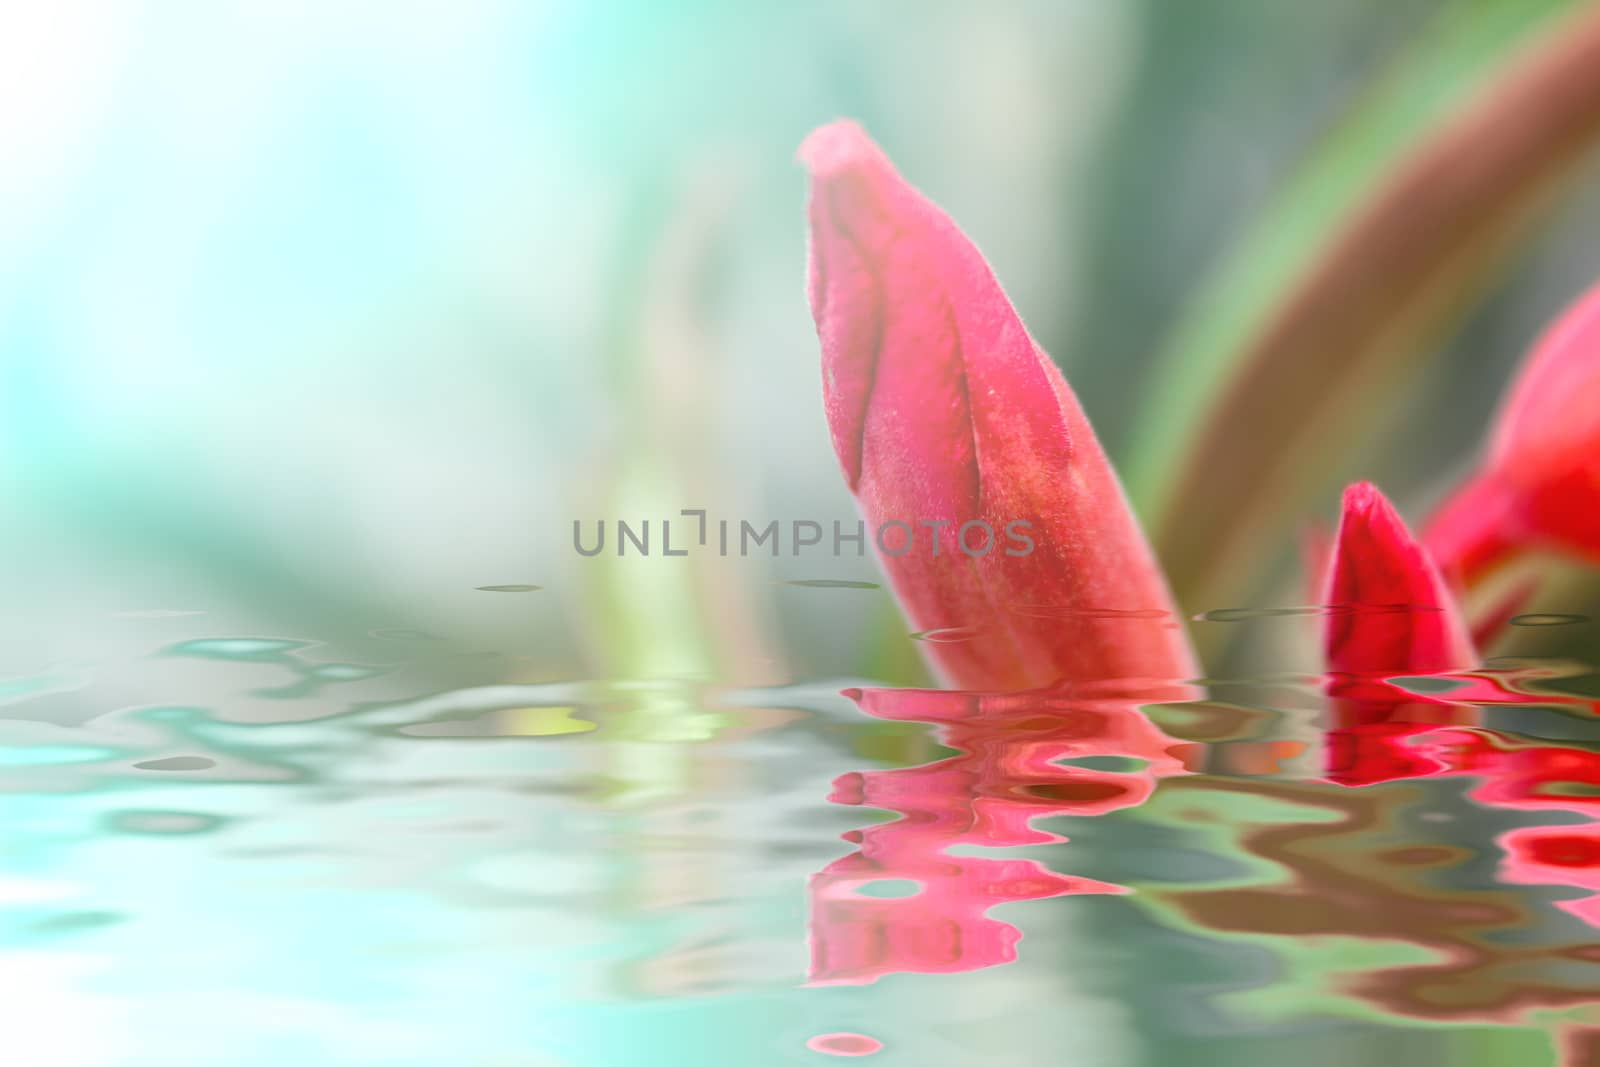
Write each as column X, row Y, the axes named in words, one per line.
column 1539, row 485
column 1390, row 611
column 950, row 422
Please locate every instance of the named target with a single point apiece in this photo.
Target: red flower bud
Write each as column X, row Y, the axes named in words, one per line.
column 944, row 411
column 1388, row 613
column 1389, row 610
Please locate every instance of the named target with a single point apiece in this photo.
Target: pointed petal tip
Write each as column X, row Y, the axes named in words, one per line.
column 1365, row 499
column 1368, row 522
column 1368, row 514
column 840, row 146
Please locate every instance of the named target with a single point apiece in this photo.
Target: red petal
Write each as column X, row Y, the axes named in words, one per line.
column 1551, row 409
column 1540, row 483
column 943, row 410
column 1390, row 611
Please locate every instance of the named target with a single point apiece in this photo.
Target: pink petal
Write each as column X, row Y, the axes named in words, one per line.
column 943, row 410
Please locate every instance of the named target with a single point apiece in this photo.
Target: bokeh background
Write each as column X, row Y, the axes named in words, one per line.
column 321, row 316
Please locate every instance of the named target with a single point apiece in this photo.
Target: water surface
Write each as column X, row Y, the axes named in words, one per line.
column 257, row 849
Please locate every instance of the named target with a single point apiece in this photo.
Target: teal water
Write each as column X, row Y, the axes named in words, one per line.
column 253, row 850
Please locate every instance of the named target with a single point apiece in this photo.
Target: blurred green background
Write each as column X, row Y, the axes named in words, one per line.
column 322, row 316
column 329, row 314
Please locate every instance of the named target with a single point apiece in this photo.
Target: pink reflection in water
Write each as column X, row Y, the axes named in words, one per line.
column 1022, row 756
column 1378, row 739
column 1381, row 732
column 1009, row 771
column 844, row 1044
column 1556, row 855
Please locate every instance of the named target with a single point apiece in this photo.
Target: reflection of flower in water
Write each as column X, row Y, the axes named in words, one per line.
column 1557, row 855
column 1010, row 770
column 1542, row 777
column 1351, row 866
column 1377, row 741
